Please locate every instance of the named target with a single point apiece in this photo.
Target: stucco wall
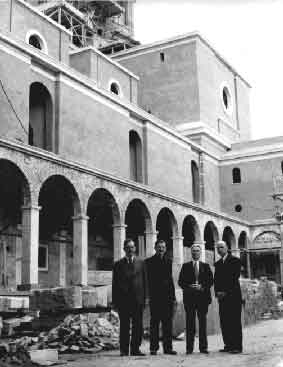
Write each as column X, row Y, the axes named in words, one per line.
column 255, row 190
column 23, row 20
column 17, row 90
column 168, row 89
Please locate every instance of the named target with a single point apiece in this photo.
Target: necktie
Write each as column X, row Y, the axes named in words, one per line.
column 196, row 271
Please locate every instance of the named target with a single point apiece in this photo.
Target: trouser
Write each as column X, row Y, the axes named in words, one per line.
column 161, row 313
column 230, row 322
column 131, row 318
column 192, row 311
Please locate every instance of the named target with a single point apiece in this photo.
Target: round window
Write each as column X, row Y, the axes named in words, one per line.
column 238, row 208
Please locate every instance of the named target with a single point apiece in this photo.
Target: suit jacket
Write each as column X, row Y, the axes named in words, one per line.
column 226, row 277
column 128, row 283
column 160, row 281
column 187, row 278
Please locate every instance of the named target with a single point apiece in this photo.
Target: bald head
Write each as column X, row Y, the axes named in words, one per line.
column 222, row 248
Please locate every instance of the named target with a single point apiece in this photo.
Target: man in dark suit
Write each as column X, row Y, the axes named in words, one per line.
column 196, row 280
column 128, row 296
column 161, row 298
column 228, row 291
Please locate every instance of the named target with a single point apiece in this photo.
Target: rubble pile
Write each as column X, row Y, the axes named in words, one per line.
column 82, row 333
column 260, row 299
column 15, row 355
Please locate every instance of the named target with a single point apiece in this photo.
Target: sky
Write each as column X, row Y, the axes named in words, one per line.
column 247, row 33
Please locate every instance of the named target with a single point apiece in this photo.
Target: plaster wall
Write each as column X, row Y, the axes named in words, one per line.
column 168, row 89
column 255, row 190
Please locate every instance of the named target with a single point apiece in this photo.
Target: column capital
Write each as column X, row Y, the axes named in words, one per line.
column 80, row 217
column 202, row 243
column 151, row 233
column 31, row 207
column 177, row 238
column 119, row 226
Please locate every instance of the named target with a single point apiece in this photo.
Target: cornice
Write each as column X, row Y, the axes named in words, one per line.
column 53, row 158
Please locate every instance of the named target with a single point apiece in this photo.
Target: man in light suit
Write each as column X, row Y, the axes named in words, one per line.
column 196, row 280
column 161, row 298
column 128, row 296
column 228, row 292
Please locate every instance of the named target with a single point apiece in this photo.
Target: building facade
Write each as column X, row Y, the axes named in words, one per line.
column 99, row 143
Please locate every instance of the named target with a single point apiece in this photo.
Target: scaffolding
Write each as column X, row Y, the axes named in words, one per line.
column 92, row 23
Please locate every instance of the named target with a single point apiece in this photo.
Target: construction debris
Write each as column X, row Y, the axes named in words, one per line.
column 82, row 333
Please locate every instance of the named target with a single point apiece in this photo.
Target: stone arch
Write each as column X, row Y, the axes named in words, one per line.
column 103, row 213
column 210, row 235
column 191, row 234
column 15, row 195
column 190, row 231
column 265, row 257
column 59, row 202
column 243, row 240
column 167, row 228
column 15, row 192
column 41, row 127
column 138, row 221
column 229, row 237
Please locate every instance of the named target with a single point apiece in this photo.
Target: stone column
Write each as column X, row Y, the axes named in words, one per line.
column 249, row 270
column 62, row 246
column 30, row 239
column 281, row 251
column 150, row 239
column 18, row 274
column 201, row 244
column 178, row 254
column 80, row 250
column 281, row 265
column 140, row 244
column 235, row 252
column 216, row 255
column 119, row 236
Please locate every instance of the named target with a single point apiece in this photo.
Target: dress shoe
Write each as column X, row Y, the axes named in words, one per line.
column 235, row 351
column 204, row 351
column 172, row 352
column 153, row 352
column 137, row 353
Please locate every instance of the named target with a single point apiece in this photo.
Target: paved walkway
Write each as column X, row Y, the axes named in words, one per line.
column 263, row 347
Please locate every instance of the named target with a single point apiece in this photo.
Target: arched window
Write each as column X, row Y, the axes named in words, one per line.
column 114, row 87
column 236, row 174
column 226, row 99
column 40, row 117
column 282, row 167
column 135, row 147
column 195, row 182
column 36, row 40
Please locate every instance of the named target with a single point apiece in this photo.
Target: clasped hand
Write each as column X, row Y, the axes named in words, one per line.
column 196, row 286
column 220, row 295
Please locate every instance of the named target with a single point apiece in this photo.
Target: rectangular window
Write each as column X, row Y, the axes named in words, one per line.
column 43, row 257
column 162, row 57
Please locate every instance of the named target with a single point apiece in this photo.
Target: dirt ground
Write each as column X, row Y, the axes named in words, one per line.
column 263, row 347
